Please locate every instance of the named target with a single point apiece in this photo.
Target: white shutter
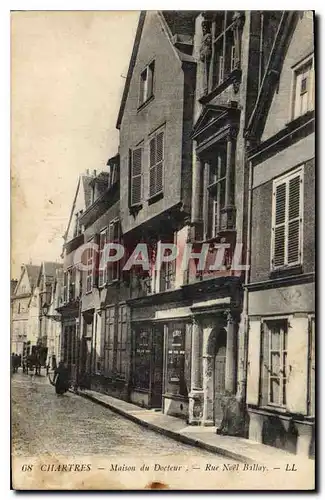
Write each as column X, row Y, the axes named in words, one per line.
column 297, row 365
column 287, row 220
column 253, row 372
column 294, row 219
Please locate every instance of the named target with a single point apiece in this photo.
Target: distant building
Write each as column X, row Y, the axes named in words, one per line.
column 21, row 302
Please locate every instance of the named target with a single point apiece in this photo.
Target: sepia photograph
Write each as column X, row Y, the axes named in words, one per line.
column 162, row 292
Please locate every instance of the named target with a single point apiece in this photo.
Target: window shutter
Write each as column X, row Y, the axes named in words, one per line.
column 95, row 262
column 279, row 226
column 152, row 165
column 294, row 220
column 159, row 162
column 264, row 365
column 253, row 373
column 312, row 368
column 109, row 264
column 136, row 176
column 297, row 365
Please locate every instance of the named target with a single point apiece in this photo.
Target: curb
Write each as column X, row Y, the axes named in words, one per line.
column 169, row 433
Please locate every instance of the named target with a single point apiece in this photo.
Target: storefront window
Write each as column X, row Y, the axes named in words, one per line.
column 175, row 383
column 142, row 354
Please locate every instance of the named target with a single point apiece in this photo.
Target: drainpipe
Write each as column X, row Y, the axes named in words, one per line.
column 247, row 274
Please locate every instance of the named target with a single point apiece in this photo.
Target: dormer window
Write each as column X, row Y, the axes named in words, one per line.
column 146, row 83
column 303, row 87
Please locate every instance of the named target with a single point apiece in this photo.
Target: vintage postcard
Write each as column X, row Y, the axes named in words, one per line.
column 163, row 250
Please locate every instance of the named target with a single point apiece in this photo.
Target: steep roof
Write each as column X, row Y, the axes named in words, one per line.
column 131, row 67
column 86, row 184
column 173, row 23
column 272, row 72
column 32, row 273
column 50, row 268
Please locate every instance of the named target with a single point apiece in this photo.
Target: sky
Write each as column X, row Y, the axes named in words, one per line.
column 68, row 72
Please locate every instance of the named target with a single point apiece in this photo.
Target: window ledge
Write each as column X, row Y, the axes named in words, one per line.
column 156, row 197
column 145, row 103
column 286, row 271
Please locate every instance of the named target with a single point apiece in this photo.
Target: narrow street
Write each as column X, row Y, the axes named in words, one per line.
column 44, row 423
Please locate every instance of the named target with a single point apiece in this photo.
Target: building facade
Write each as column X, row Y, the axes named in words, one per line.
column 281, row 287
column 21, row 302
column 216, row 158
column 48, row 284
column 104, row 350
column 69, row 301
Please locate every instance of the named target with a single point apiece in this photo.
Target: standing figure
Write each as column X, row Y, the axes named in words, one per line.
column 206, row 51
column 61, row 379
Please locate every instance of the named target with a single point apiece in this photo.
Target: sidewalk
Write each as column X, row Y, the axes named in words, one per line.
column 235, row 448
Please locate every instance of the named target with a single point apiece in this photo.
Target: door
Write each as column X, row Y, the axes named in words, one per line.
column 219, row 375
column 157, row 366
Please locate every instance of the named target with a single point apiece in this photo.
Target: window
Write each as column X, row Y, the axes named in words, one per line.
column 71, row 275
column 146, row 83
column 77, row 227
column 102, row 276
column 175, row 383
column 90, row 267
column 286, row 244
column 156, row 163
column 141, row 361
column 65, row 287
column 233, row 58
column 303, row 88
column 276, row 342
column 113, row 174
column 167, row 272
column 224, row 54
column 121, row 353
column 109, row 338
column 136, row 176
column 113, row 268
column 216, row 191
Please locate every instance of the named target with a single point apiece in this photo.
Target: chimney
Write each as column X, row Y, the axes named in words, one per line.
column 95, row 172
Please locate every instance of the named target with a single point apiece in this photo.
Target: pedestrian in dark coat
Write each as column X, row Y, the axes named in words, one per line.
column 61, row 379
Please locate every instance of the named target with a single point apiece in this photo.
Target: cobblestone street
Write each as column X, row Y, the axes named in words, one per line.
column 44, row 423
